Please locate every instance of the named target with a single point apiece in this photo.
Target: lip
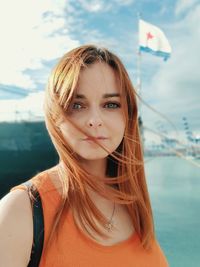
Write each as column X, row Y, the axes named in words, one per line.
column 95, row 137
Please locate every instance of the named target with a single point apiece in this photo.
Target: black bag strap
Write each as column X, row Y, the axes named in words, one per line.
column 38, row 225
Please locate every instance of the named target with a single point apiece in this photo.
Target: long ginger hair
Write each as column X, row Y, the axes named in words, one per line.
column 125, row 174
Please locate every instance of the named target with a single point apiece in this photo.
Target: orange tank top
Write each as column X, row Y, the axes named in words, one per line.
column 74, row 249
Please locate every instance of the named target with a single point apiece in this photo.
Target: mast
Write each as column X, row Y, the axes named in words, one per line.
column 139, row 84
column 138, row 61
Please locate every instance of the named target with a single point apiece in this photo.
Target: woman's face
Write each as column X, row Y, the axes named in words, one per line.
column 96, row 109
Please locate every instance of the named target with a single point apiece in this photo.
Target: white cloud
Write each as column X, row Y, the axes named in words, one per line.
column 103, row 5
column 28, row 108
column 184, row 5
column 29, row 35
column 92, row 6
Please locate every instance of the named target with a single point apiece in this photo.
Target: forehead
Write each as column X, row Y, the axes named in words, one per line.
column 98, row 78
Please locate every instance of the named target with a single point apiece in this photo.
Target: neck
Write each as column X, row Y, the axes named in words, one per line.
column 95, row 167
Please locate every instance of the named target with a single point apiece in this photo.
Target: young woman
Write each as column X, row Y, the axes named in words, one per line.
column 95, row 202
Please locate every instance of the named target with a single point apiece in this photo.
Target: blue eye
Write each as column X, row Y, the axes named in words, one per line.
column 77, row 106
column 112, row 105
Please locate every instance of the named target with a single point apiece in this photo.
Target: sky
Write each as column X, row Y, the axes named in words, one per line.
column 35, row 34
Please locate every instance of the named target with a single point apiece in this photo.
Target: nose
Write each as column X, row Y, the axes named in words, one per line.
column 94, row 124
column 94, row 120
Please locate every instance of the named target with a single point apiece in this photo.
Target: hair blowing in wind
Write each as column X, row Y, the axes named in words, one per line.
column 125, row 175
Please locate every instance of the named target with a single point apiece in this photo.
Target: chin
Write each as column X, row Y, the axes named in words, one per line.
column 93, row 156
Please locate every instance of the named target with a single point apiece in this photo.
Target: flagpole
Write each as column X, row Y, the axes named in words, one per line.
column 139, row 83
column 138, row 67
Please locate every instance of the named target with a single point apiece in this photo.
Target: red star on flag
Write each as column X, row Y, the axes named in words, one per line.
column 149, row 36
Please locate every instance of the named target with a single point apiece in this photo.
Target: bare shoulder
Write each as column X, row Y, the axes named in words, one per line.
column 16, row 229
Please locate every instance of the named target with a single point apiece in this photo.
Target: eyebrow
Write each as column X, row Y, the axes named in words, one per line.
column 79, row 96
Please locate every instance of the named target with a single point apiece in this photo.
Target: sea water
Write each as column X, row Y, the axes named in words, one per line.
column 174, row 187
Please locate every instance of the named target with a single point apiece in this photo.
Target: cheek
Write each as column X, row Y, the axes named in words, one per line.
column 120, row 131
column 69, row 132
column 119, row 124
